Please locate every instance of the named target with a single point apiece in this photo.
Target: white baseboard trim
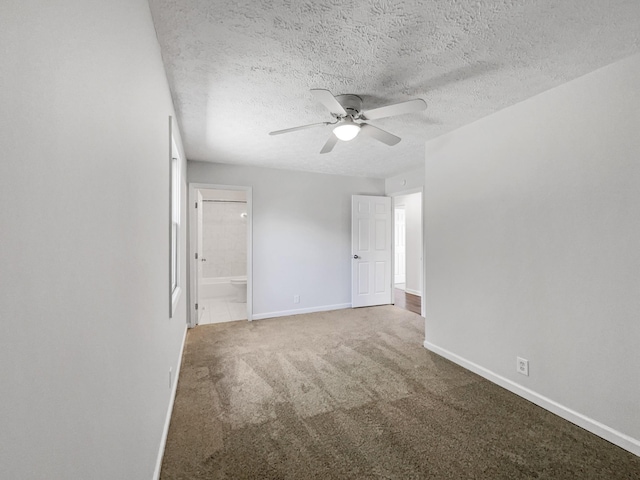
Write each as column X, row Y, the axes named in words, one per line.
column 165, row 431
column 413, row 292
column 286, row 313
column 617, row 438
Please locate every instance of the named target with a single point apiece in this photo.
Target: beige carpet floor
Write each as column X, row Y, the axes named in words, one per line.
column 353, row 394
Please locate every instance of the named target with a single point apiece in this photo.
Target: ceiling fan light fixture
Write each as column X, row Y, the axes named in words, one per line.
column 347, row 130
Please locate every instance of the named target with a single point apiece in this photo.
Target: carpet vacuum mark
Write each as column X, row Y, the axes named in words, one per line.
column 353, row 394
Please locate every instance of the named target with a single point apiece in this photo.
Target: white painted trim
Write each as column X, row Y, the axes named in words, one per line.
column 175, row 211
column 175, row 298
column 423, row 307
column 617, row 438
column 192, row 216
column 165, row 430
column 286, row 313
column 413, row 292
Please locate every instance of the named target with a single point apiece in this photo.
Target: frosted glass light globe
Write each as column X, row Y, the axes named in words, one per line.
column 347, row 130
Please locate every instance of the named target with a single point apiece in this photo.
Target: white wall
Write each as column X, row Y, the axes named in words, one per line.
column 533, row 248
column 413, row 242
column 410, row 181
column 301, row 234
column 86, row 342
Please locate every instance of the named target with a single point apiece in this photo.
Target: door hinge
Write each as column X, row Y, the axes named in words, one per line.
column 196, row 306
column 196, row 255
column 196, row 204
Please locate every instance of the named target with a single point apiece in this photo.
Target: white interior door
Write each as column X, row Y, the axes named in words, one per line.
column 200, row 258
column 371, row 250
column 400, row 246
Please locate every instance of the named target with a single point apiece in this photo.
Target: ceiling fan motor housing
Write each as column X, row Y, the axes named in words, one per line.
column 348, row 114
column 351, row 103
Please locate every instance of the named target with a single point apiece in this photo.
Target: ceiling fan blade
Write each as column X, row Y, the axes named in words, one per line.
column 409, row 106
column 326, row 98
column 379, row 134
column 287, row 130
column 331, row 142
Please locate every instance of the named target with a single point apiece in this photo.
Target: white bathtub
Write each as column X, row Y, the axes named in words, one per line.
column 219, row 287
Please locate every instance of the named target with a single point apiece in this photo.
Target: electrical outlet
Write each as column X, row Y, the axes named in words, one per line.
column 296, row 299
column 522, row 366
column 170, row 377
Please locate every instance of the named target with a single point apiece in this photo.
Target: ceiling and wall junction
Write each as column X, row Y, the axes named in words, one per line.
column 239, row 69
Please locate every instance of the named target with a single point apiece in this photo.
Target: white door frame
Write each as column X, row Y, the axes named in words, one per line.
column 424, row 271
column 396, row 208
column 199, row 248
column 193, row 237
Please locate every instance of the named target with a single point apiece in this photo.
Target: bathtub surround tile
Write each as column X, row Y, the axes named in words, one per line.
column 224, row 233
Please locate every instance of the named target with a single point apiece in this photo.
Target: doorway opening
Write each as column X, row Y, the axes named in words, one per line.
column 407, row 245
column 400, row 247
column 220, row 254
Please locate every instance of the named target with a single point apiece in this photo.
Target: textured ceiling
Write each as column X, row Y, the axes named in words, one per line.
column 239, row 69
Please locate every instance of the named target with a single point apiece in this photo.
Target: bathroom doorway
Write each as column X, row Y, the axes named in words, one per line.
column 220, row 254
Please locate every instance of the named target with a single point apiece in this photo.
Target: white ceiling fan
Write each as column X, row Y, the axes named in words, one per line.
column 347, row 112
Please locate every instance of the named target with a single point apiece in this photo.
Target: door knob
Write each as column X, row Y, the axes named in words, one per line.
column 356, row 256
